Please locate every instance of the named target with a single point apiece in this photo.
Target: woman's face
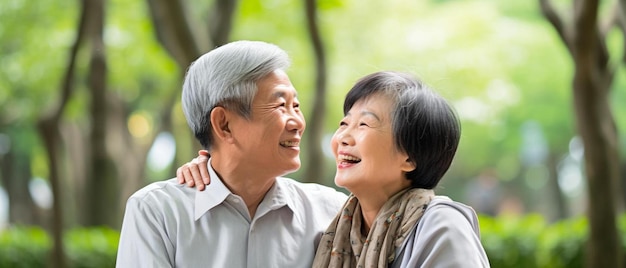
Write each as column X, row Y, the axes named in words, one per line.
column 367, row 159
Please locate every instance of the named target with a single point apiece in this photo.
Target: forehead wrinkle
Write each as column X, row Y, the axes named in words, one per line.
column 278, row 94
column 283, row 93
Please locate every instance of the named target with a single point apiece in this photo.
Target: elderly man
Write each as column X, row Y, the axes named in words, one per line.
column 243, row 109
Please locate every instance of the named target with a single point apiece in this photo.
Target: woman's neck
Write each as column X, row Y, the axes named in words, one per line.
column 369, row 209
column 372, row 203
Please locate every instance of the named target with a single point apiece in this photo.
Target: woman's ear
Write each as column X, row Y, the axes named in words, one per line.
column 219, row 123
column 408, row 165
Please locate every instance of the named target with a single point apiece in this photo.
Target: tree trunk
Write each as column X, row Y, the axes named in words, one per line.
column 594, row 121
column 174, row 32
column 597, row 129
column 591, row 83
column 315, row 157
column 221, row 21
column 49, row 131
column 48, row 126
column 102, row 189
column 75, row 141
column 15, row 178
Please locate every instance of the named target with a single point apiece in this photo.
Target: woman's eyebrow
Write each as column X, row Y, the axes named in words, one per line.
column 364, row 113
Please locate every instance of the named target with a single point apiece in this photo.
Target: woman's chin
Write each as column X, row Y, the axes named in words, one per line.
column 342, row 182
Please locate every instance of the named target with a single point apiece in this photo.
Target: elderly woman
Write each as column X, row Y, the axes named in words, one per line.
column 396, row 141
column 393, row 146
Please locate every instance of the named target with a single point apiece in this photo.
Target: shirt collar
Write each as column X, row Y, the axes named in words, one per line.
column 216, row 193
column 279, row 195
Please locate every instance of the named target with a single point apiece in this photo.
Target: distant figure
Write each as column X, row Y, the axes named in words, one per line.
column 483, row 193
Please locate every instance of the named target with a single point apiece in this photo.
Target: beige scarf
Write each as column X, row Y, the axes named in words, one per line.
column 343, row 245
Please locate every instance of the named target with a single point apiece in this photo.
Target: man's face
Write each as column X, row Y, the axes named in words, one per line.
column 270, row 139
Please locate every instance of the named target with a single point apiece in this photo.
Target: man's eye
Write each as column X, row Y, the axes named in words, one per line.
column 342, row 123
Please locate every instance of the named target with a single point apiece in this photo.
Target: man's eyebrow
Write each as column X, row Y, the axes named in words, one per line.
column 282, row 94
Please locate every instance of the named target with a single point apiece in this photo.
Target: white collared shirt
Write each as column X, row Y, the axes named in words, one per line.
column 167, row 224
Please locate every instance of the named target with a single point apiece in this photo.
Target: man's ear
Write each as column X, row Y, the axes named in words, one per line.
column 219, row 122
column 408, row 165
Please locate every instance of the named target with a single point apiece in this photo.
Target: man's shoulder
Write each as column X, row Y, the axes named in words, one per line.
column 162, row 189
column 308, row 187
column 311, row 191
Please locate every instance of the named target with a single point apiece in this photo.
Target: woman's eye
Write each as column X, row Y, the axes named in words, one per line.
column 363, row 124
column 342, row 123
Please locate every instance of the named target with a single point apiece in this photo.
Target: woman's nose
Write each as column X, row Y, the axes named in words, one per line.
column 344, row 137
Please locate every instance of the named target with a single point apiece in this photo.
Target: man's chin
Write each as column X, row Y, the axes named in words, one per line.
column 291, row 169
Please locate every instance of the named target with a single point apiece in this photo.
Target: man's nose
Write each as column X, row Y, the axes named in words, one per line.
column 296, row 122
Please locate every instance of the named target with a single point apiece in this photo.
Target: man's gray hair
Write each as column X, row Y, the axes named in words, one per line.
column 227, row 76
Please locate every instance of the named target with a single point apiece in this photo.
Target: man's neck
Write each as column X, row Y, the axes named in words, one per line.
column 252, row 193
column 249, row 186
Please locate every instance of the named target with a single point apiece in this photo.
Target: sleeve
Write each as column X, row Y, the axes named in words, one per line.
column 446, row 238
column 143, row 238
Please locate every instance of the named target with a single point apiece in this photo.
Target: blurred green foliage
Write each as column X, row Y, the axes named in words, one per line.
column 92, row 247
column 512, row 242
column 521, row 242
column 24, row 247
column 86, row 247
column 499, row 62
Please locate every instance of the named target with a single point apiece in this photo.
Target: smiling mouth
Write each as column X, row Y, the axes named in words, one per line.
column 349, row 159
column 289, row 143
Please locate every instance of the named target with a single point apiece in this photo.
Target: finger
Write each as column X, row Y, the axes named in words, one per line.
column 202, row 162
column 201, row 159
column 204, row 172
column 179, row 175
column 204, row 153
column 195, row 172
column 188, row 176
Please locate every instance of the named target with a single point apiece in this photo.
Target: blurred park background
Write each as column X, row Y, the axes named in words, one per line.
column 90, row 97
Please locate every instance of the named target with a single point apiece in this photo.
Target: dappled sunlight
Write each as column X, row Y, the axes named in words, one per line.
column 40, row 192
column 139, row 125
column 502, row 93
column 162, row 152
column 473, row 109
column 570, row 178
column 4, row 208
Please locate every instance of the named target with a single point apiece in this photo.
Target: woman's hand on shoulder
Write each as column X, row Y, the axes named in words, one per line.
column 195, row 172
